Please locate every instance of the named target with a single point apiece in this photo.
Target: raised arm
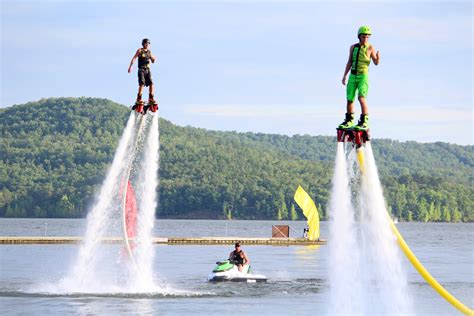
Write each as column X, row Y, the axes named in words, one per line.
column 375, row 56
column 153, row 58
column 348, row 65
column 133, row 59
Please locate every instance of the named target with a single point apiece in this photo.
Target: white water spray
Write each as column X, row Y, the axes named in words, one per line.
column 344, row 255
column 365, row 272
column 146, row 189
column 380, row 249
column 102, row 268
column 85, row 271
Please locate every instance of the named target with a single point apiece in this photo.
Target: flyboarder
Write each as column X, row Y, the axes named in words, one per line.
column 144, row 56
column 360, row 55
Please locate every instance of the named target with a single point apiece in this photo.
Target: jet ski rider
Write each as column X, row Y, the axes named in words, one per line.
column 239, row 257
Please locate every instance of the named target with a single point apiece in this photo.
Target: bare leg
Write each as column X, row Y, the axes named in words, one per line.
column 363, row 105
column 347, row 123
column 139, row 99
column 350, row 106
column 140, row 89
column 152, row 89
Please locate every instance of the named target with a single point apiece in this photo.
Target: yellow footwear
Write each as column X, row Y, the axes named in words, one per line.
column 348, row 122
column 363, row 124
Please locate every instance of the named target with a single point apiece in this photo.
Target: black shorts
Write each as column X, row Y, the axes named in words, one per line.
column 144, row 77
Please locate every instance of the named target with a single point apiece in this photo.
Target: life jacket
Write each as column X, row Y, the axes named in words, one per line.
column 236, row 256
column 360, row 60
column 144, row 57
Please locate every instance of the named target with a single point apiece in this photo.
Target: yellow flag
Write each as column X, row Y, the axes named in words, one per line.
column 309, row 210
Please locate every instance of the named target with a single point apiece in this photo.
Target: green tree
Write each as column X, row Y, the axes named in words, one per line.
column 61, row 147
column 64, row 206
column 457, row 216
column 423, row 213
column 284, row 210
column 437, row 213
column 432, row 212
column 279, row 216
column 446, row 214
column 293, row 213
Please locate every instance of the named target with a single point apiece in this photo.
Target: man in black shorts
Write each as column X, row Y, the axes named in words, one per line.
column 144, row 56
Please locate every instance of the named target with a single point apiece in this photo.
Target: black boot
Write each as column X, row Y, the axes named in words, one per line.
column 152, row 104
column 348, row 122
column 151, row 99
column 363, row 124
column 138, row 102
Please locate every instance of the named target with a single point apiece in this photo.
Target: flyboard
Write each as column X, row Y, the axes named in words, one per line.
column 129, row 203
column 358, row 138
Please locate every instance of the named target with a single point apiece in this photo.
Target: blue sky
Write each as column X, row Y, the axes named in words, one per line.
column 266, row 66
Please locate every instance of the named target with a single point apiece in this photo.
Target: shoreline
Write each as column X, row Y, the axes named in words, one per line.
column 14, row 240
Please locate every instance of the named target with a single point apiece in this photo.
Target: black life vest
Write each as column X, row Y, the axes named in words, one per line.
column 238, row 257
column 144, row 57
column 355, row 59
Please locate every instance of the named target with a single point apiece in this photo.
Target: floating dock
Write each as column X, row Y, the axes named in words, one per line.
column 168, row 241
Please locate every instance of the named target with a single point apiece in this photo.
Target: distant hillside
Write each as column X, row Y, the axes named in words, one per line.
column 54, row 154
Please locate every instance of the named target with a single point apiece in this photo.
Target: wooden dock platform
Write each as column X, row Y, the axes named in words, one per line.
column 5, row 240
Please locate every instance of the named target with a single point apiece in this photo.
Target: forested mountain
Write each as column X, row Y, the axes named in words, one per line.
column 54, row 154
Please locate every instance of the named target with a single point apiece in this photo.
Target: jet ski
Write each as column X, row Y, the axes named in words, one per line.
column 227, row 270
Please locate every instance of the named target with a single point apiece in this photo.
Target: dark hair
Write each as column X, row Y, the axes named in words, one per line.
column 145, row 40
column 237, row 244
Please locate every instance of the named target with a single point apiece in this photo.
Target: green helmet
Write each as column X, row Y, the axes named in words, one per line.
column 364, row 30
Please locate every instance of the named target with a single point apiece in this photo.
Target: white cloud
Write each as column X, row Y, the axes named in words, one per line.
column 420, row 114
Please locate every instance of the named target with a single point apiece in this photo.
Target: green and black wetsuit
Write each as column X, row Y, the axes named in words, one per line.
column 359, row 77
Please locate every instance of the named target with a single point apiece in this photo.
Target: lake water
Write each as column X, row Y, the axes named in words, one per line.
column 297, row 275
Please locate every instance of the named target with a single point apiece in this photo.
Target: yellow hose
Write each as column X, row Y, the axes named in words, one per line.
column 426, row 275
column 416, row 263
column 360, row 158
